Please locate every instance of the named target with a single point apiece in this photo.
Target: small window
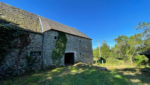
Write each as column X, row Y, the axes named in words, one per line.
column 35, row 53
column 55, row 37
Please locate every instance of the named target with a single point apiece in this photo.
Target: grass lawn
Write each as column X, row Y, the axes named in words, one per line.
column 81, row 74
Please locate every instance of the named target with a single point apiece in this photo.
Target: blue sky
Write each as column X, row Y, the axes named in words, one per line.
column 101, row 20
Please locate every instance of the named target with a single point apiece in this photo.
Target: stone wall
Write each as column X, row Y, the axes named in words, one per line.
column 16, row 63
column 81, row 47
column 49, row 42
column 34, row 49
column 39, row 51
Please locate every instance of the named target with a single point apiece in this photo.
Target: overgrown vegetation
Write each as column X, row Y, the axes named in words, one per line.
column 127, row 49
column 59, row 49
column 8, row 33
column 12, row 37
column 31, row 61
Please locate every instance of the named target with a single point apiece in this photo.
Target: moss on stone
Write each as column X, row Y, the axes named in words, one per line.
column 24, row 19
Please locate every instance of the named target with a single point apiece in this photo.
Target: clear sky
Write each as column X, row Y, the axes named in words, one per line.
column 99, row 19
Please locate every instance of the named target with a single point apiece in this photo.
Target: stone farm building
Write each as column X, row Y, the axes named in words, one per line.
column 46, row 41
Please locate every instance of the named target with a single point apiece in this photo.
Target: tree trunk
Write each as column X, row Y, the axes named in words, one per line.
column 131, row 60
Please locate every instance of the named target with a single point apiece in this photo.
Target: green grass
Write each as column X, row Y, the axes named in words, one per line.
column 82, row 74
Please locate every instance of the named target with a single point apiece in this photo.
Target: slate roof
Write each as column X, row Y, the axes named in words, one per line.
column 35, row 22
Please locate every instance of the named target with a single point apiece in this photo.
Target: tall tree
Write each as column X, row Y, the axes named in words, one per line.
column 105, row 50
column 145, row 27
column 96, row 54
column 121, row 47
column 121, row 38
column 134, row 45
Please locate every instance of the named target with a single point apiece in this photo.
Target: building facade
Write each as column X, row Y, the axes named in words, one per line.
column 43, row 41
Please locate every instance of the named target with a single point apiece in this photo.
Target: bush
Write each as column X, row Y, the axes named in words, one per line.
column 102, row 60
column 140, row 60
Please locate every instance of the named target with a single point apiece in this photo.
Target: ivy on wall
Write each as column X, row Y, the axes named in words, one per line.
column 8, row 34
column 13, row 37
column 59, row 50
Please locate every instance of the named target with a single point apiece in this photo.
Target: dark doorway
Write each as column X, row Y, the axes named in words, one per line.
column 69, row 59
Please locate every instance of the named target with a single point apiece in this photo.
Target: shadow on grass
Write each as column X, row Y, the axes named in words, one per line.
column 83, row 75
column 136, row 75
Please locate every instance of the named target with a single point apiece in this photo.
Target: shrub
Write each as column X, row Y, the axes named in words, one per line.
column 140, row 60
